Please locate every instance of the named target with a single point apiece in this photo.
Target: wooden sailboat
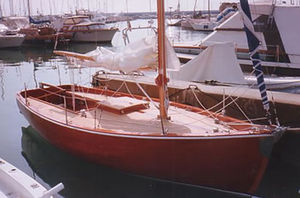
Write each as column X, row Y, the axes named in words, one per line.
column 42, row 31
column 183, row 143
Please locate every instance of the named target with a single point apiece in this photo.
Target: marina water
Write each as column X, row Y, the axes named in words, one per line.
column 24, row 148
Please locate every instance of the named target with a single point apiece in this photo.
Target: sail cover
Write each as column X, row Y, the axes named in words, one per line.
column 216, row 63
column 136, row 55
column 253, row 43
column 31, row 20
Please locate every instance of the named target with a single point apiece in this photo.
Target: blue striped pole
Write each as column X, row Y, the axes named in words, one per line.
column 253, row 43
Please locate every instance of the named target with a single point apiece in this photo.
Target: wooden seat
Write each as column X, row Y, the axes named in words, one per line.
column 122, row 105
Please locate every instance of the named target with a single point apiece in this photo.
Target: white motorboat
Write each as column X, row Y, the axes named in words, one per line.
column 10, row 38
column 274, row 24
column 84, row 30
column 15, row 183
column 203, row 24
column 209, row 23
column 174, row 22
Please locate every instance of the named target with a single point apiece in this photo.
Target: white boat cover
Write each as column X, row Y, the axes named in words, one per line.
column 136, row 55
column 217, row 63
column 16, row 22
column 287, row 20
column 238, row 37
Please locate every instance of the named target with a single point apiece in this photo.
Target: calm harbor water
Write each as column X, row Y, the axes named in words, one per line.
column 21, row 146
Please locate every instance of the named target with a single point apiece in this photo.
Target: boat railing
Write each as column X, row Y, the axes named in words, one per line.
column 71, row 103
column 267, row 52
column 66, row 111
column 129, row 28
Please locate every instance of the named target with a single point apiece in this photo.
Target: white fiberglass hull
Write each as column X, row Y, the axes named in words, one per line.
column 204, row 26
column 104, row 35
column 11, row 40
column 15, row 183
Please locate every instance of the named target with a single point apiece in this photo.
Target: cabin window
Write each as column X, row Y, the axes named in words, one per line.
column 82, row 28
column 94, row 27
column 263, row 23
column 75, row 28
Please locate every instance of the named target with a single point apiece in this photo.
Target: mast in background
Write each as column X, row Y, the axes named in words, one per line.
column 194, row 12
column 208, row 9
column 178, row 8
column 1, row 11
column 11, row 7
column 28, row 7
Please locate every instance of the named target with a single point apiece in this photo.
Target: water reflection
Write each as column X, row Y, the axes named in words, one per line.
column 83, row 179
column 2, row 82
column 14, row 57
column 85, row 47
column 282, row 177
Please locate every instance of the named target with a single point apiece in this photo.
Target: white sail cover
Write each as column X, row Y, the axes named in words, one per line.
column 136, row 55
column 217, row 63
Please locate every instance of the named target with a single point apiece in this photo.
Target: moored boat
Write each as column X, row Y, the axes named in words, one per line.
column 148, row 136
column 15, row 183
column 278, row 49
column 130, row 137
column 44, row 34
column 203, row 24
column 84, row 30
column 9, row 38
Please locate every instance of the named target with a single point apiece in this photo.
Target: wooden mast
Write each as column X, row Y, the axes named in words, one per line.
column 161, row 79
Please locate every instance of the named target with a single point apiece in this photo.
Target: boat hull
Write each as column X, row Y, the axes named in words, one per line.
column 7, row 41
column 235, row 163
column 15, row 183
column 204, row 26
column 105, row 35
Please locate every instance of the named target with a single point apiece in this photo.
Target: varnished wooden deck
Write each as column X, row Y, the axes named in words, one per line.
column 140, row 122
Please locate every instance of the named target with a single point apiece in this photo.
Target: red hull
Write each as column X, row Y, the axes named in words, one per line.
column 235, row 163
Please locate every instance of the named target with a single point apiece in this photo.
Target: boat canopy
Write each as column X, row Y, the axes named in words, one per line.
column 31, row 20
column 216, row 63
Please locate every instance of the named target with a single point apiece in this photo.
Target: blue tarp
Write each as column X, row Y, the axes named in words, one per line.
column 31, row 20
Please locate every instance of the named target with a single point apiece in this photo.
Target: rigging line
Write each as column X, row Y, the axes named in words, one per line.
column 241, row 110
column 193, row 91
column 211, row 114
column 220, row 110
column 227, row 97
column 197, row 120
column 118, row 89
column 205, row 120
column 275, row 110
column 145, row 93
column 127, row 88
column 153, row 103
column 124, row 83
column 85, row 98
column 257, row 119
